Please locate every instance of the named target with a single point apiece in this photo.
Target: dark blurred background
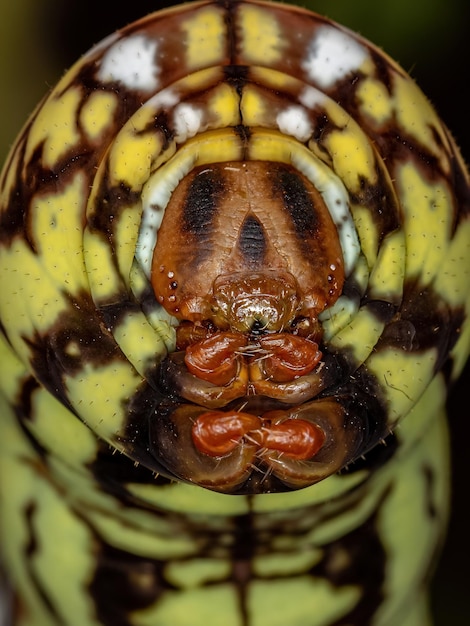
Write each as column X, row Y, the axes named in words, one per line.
column 429, row 38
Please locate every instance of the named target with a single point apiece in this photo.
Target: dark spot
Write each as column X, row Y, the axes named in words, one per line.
column 432, row 509
column 202, row 201
column 243, row 132
column 236, row 75
column 124, row 583
column 424, row 322
column 379, row 198
column 297, row 201
column 78, row 337
column 109, row 203
column 382, row 310
column 252, row 240
column 163, row 123
column 115, row 472
column 258, row 328
column 29, row 513
column 358, row 559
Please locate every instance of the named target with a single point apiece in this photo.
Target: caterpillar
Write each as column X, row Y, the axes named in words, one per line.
column 234, row 256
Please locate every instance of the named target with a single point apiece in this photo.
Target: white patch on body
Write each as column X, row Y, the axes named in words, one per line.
column 165, row 99
column 131, row 62
column 336, row 199
column 332, row 55
column 154, row 200
column 311, row 97
column 294, row 121
column 187, row 121
column 155, row 197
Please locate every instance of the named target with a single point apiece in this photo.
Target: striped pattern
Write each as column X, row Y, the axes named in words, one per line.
column 183, row 165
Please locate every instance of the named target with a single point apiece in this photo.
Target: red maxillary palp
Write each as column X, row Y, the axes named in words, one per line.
column 290, row 356
column 217, row 433
column 296, row 438
column 215, row 359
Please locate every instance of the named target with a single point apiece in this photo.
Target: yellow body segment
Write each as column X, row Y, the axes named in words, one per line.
column 97, row 114
column 60, row 136
column 261, row 39
column 205, row 38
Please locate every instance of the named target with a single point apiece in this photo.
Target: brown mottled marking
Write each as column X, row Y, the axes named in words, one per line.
column 246, row 216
